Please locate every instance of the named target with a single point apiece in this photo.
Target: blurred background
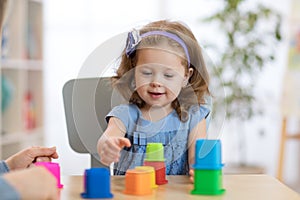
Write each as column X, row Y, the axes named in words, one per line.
column 254, row 45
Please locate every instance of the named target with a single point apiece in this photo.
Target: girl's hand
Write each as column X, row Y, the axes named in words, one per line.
column 191, row 172
column 109, row 150
column 26, row 157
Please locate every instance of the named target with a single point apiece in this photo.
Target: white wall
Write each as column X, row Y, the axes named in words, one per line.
column 74, row 28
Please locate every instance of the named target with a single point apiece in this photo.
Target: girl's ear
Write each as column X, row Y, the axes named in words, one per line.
column 187, row 77
column 190, row 72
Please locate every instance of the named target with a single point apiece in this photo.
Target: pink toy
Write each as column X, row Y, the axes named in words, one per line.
column 53, row 168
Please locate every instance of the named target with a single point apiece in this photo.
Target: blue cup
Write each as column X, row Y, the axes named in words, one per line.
column 208, row 154
column 96, row 183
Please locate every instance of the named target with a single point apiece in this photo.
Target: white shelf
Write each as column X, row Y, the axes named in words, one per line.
column 37, row 1
column 28, row 135
column 22, row 64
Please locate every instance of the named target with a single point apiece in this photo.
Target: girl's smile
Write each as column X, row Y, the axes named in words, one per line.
column 156, row 95
column 159, row 77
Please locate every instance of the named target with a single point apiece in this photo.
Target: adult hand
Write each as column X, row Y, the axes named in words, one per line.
column 35, row 183
column 110, row 149
column 26, row 157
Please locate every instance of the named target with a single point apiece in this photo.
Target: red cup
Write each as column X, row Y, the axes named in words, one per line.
column 156, row 165
column 160, row 171
column 160, row 176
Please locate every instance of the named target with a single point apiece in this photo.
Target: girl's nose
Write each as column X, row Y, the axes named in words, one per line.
column 156, row 81
column 155, row 84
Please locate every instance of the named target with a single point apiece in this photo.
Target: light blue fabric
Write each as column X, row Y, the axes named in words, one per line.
column 7, row 192
column 3, row 167
column 170, row 131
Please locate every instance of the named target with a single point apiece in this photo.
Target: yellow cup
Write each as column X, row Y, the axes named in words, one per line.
column 152, row 171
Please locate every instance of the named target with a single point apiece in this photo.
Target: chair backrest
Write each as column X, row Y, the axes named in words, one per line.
column 87, row 101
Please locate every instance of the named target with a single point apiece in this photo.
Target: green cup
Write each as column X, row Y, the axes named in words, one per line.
column 155, row 152
column 207, row 182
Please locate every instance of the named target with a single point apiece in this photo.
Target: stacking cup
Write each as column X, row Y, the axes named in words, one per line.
column 96, row 183
column 155, row 152
column 208, row 182
column 208, row 168
column 138, row 182
column 152, row 171
column 160, row 171
column 53, row 168
column 208, row 154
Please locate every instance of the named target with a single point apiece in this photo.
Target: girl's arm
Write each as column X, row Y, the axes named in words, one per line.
column 112, row 141
column 199, row 131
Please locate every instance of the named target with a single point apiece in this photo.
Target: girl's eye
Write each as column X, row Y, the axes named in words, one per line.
column 169, row 75
column 146, row 73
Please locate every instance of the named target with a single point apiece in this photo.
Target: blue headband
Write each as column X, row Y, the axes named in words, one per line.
column 134, row 39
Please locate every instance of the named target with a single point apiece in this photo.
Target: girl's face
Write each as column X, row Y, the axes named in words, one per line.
column 159, row 77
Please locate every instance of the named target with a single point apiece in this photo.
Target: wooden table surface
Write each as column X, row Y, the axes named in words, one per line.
column 241, row 187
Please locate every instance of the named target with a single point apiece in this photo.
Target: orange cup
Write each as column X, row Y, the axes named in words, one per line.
column 152, row 171
column 138, row 182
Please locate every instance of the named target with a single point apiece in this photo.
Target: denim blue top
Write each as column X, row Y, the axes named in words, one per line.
column 169, row 131
column 3, row 167
column 6, row 190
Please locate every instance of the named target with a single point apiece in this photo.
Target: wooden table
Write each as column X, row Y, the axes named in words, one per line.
column 241, row 187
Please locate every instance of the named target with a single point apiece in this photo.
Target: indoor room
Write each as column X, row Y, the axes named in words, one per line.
column 58, row 57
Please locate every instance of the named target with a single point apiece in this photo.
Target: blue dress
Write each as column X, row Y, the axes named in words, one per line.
column 169, row 131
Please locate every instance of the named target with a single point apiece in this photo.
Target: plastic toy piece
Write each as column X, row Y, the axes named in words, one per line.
column 208, row 182
column 96, row 183
column 208, row 168
column 138, row 182
column 208, row 155
column 160, row 171
column 156, row 165
column 155, row 158
column 160, row 176
column 152, row 171
column 53, row 168
column 155, row 152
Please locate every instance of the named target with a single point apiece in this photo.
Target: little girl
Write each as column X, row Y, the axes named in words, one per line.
column 163, row 76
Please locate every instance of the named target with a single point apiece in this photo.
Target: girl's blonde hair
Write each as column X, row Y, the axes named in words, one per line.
column 198, row 82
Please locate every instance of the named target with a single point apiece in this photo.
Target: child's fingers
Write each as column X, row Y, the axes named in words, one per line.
column 191, row 172
column 124, row 142
column 109, row 155
column 192, row 179
column 112, row 145
column 107, row 159
column 117, row 144
column 111, row 150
